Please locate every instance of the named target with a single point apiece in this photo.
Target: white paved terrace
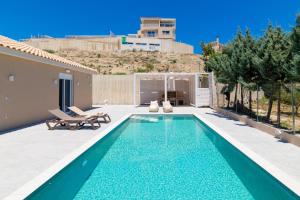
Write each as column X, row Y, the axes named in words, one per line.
column 27, row 152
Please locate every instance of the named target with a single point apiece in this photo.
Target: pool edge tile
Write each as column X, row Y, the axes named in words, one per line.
column 278, row 174
column 29, row 187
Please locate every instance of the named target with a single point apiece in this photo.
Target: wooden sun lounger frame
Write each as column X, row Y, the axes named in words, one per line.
column 81, row 113
column 71, row 123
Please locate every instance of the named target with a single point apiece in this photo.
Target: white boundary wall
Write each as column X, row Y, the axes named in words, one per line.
column 113, row 89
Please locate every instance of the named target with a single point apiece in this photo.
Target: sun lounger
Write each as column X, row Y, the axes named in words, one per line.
column 167, row 107
column 153, row 106
column 81, row 113
column 70, row 122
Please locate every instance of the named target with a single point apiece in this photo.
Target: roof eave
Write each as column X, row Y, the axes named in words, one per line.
column 31, row 57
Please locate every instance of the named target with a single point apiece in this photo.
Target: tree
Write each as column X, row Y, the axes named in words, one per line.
column 271, row 62
column 295, row 52
column 207, row 52
column 235, row 52
column 294, row 74
column 221, row 65
column 249, row 71
column 295, row 36
column 227, row 66
column 273, row 51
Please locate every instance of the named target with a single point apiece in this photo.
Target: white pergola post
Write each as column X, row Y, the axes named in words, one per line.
column 196, row 89
column 134, row 89
column 166, row 87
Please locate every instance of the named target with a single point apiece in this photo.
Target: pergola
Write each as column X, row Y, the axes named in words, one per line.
column 191, row 78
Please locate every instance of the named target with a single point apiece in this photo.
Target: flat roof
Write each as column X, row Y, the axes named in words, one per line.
column 170, row 74
column 158, row 18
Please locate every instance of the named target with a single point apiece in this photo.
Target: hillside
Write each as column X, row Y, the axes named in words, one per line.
column 130, row 62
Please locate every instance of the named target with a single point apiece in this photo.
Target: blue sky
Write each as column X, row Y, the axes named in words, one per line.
column 197, row 20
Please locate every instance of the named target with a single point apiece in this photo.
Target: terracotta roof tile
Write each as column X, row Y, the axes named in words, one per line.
column 25, row 48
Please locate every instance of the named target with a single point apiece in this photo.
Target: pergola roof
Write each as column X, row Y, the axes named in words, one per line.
column 159, row 76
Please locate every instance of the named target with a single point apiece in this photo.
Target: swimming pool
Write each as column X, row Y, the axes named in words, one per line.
column 163, row 157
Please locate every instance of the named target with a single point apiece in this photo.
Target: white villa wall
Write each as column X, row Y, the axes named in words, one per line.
column 204, row 94
column 152, row 44
column 144, row 44
column 203, row 97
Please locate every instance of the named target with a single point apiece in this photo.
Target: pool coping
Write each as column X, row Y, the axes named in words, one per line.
column 277, row 173
column 31, row 186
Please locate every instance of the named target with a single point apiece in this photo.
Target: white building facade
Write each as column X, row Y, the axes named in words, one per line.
column 153, row 44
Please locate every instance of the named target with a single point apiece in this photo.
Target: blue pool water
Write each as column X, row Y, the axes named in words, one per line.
column 163, row 157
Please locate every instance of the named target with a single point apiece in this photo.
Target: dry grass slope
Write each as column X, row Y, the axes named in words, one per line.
column 135, row 61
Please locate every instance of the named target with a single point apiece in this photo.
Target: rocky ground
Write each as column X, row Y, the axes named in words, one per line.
column 129, row 62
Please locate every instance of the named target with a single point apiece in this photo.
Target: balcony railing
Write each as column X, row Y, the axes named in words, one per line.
column 150, row 25
column 151, row 35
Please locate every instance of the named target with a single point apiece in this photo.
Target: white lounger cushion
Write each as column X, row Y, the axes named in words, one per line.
column 167, row 107
column 153, row 106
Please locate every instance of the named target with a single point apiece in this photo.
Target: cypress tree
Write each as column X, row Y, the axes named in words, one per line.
column 249, row 73
column 294, row 72
column 235, row 52
column 295, row 51
column 273, row 51
column 221, row 64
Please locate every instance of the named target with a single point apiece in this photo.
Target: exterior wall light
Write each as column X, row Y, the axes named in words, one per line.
column 55, row 81
column 11, row 78
column 105, row 101
column 68, row 71
column 78, row 83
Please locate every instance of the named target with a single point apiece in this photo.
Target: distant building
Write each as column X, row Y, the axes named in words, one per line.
column 155, row 27
column 217, row 46
column 156, row 34
column 154, row 44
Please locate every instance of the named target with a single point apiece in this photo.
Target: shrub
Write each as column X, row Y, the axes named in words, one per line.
column 149, row 67
column 287, row 98
column 119, row 73
column 49, row 51
column 174, row 61
column 141, row 70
